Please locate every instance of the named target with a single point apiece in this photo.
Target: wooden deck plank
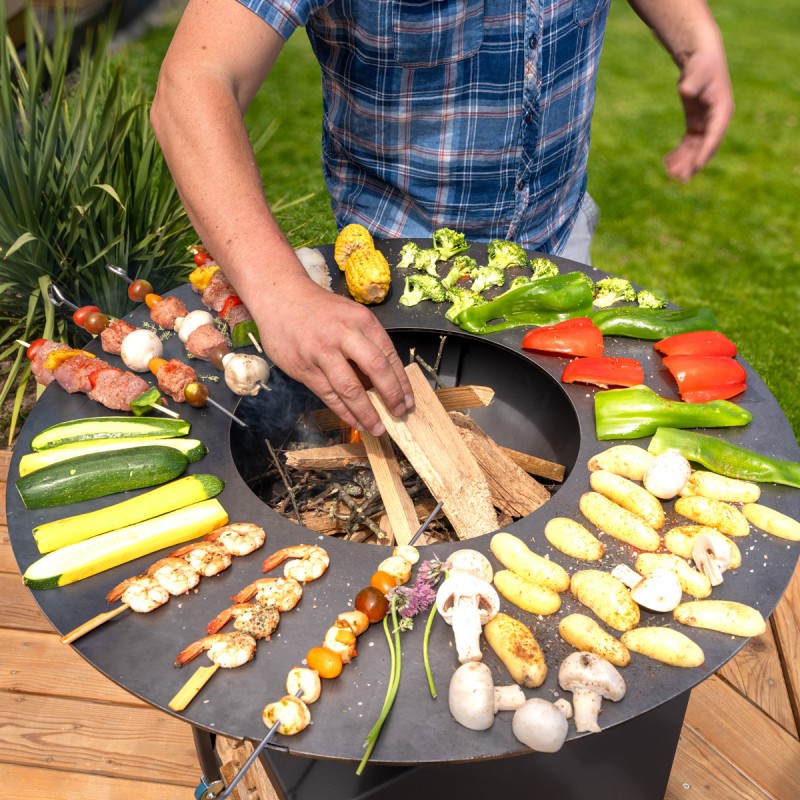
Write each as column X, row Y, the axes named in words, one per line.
column 19, row 608
column 786, row 624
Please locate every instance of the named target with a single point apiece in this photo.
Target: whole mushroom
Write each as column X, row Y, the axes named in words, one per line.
column 474, row 699
column 245, row 374
column 472, row 562
column 658, row 591
column 467, row 603
column 185, row 326
column 139, row 347
column 591, row 679
column 667, row 474
column 541, row 725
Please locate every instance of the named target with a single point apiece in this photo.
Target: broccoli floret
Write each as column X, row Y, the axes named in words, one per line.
column 520, row 280
column 426, row 260
column 649, row 299
column 420, row 286
column 449, row 243
column 462, row 299
column 505, row 254
column 484, row 278
column 543, row 268
column 462, row 266
column 408, row 254
column 608, row 291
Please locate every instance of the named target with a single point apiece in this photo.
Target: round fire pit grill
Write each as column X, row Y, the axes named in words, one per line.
column 532, row 412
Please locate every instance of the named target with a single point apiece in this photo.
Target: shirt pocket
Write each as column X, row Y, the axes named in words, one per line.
column 431, row 32
column 585, row 11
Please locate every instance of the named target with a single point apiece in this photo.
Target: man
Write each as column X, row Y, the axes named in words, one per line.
column 471, row 114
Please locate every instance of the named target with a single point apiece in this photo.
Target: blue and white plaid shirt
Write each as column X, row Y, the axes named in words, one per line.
column 470, row 114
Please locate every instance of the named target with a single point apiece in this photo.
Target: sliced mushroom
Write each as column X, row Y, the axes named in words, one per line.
column 659, row 591
column 474, row 699
column 712, row 555
column 591, row 679
column 467, row 603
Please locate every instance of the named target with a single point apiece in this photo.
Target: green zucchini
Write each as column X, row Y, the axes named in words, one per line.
column 77, row 430
column 100, row 474
column 82, row 559
column 169, row 497
column 193, row 449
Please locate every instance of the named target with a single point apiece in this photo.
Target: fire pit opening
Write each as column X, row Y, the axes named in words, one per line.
column 529, row 413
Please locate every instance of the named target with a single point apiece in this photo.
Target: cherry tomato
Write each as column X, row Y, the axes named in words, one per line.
column 33, row 348
column 139, row 289
column 201, row 257
column 373, row 603
column 327, row 663
column 382, row 581
column 151, row 299
column 96, row 322
column 79, row 317
column 196, row 394
column 155, row 364
column 218, row 353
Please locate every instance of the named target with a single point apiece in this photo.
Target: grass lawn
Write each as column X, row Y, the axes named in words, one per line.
column 727, row 239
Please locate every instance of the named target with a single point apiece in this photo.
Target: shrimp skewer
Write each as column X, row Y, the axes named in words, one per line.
column 283, row 593
column 309, row 562
column 238, row 538
column 174, row 574
column 254, row 619
column 206, row 558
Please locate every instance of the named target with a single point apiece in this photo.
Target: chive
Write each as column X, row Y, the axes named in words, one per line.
column 426, row 659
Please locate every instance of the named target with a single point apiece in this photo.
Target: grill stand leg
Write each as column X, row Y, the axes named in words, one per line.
column 631, row 761
column 204, row 743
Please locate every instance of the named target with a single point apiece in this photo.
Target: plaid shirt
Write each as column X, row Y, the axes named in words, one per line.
column 471, row 114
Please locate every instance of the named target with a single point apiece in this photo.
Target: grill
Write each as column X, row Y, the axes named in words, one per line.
column 532, row 412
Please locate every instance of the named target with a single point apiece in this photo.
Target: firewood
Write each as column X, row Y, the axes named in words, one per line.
column 537, row 466
column 337, row 456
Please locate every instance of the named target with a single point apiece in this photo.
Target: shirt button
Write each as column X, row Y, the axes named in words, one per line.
column 528, row 118
column 532, row 42
column 520, row 185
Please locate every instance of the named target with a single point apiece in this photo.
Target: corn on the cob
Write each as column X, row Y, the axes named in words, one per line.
column 351, row 238
column 368, row 276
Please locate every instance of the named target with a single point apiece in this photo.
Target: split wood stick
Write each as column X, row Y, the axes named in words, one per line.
column 536, row 466
column 513, row 490
column 431, row 443
column 192, row 687
column 91, row 624
column 396, row 500
column 337, row 456
column 455, row 398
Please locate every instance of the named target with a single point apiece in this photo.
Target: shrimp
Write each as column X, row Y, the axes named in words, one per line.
column 259, row 621
column 207, row 558
column 142, row 593
column 174, row 574
column 238, row 538
column 283, row 593
column 311, row 562
column 341, row 639
column 226, row 650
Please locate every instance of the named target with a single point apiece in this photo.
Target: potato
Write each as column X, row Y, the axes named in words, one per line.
column 514, row 554
column 725, row 616
column 573, row 539
column 618, row 522
column 692, row 581
column 518, row 649
column 772, row 521
column 607, row 597
column 718, row 487
column 664, row 644
column 583, row 633
column 529, row 596
column 680, row 541
column 724, row 517
column 627, row 460
column 629, row 495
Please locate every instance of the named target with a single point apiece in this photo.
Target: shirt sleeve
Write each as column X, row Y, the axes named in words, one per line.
column 285, row 16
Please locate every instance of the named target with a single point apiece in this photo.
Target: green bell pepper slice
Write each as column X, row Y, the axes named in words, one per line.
column 725, row 458
column 541, row 302
column 145, row 401
column 653, row 323
column 638, row 411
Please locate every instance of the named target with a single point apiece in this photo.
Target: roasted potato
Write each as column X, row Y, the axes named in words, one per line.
column 718, row 487
column 518, row 649
column 627, row 460
column 664, row 644
column 583, row 633
column 619, row 522
column 515, row 555
column 680, row 541
column 692, row 581
column 772, row 521
column 629, row 495
column 725, row 616
column 724, row 517
column 529, row 596
column 573, row 539
column 607, row 597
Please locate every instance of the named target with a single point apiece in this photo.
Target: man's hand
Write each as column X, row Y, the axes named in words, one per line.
column 328, row 342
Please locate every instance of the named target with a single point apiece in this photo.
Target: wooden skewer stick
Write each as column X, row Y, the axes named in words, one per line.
column 94, row 622
column 192, row 687
column 164, row 410
column 26, row 345
column 255, row 342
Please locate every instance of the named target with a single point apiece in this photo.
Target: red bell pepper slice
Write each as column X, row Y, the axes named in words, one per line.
column 604, row 371
column 578, row 336
column 697, row 343
column 92, row 378
column 703, row 378
column 229, row 304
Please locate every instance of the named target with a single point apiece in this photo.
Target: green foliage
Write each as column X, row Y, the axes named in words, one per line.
column 82, row 184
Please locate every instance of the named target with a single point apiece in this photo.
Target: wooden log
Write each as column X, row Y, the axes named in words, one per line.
column 536, row 466
column 399, row 506
column 454, row 398
column 429, row 440
column 513, row 490
column 337, row 456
